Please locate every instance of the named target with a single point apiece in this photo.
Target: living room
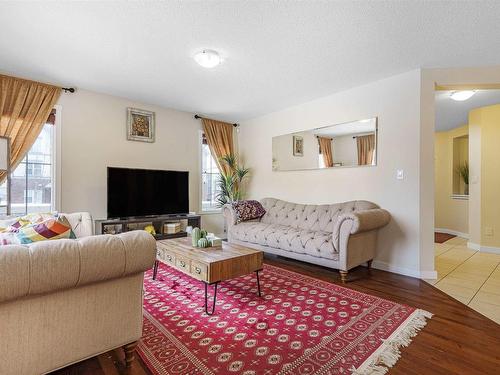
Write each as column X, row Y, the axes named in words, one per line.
column 117, row 121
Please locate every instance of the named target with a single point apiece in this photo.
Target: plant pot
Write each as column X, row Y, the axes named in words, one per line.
column 466, row 189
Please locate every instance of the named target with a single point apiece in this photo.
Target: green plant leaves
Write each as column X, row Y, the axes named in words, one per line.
column 230, row 181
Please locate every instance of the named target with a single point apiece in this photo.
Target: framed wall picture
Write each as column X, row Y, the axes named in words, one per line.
column 140, row 125
column 298, row 146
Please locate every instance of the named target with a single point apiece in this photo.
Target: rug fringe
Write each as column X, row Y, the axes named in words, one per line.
column 389, row 352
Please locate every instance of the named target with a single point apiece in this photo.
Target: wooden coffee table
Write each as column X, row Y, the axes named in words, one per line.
column 210, row 265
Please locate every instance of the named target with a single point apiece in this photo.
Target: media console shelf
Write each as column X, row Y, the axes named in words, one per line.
column 115, row 226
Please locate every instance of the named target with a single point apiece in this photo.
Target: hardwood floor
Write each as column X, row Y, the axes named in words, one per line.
column 457, row 340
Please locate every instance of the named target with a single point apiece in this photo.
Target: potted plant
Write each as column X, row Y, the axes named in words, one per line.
column 230, row 181
column 463, row 171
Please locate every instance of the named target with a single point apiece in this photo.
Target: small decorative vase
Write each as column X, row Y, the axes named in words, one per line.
column 195, row 236
column 203, row 242
column 466, row 189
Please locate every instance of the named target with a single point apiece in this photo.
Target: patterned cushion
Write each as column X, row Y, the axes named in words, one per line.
column 248, row 210
column 14, row 223
column 40, row 227
column 8, row 238
column 5, row 224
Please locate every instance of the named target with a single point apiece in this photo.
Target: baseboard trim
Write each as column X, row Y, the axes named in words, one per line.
column 384, row 266
column 474, row 246
column 491, row 250
column 452, row 232
column 432, row 275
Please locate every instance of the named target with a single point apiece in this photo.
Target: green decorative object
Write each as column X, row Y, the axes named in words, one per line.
column 463, row 172
column 195, row 236
column 231, row 181
column 203, row 233
column 203, row 242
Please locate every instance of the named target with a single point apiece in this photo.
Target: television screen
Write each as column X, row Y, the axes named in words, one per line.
column 144, row 192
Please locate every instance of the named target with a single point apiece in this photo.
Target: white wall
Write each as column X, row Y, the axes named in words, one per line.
column 396, row 103
column 94, row 137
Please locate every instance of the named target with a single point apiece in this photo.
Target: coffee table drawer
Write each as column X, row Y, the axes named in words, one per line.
column 199, row 271
column 183, row 264
column 166, row 257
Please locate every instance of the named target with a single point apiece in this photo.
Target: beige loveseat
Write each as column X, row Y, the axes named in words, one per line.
column 340, row 236
column 63, row 301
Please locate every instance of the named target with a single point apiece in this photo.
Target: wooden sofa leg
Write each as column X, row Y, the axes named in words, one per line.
column 369, row 264
column 343, row 276
column 129, row 350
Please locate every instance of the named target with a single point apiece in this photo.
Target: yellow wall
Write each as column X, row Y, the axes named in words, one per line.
column 451, row 214
column 487, row 119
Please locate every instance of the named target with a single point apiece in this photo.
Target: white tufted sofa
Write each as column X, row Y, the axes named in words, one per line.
column 66, row 300
column 341, row 236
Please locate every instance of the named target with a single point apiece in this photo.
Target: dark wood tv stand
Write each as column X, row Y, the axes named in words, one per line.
column 123, row 225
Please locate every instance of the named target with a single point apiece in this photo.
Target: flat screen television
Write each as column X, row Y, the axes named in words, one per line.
column 146, row 192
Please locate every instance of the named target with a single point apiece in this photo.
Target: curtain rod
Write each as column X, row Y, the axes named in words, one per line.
column 68, row 89
column 199, row 117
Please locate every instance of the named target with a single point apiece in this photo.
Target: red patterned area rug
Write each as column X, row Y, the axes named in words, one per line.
column 300, row 325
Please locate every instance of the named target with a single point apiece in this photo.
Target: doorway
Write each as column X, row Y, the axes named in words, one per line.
column 466, row 156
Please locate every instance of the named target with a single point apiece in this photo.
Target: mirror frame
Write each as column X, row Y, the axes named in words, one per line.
column 330, row 168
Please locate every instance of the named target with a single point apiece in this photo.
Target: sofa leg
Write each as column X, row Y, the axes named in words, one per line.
column 343, row 276
column 369, row 264
column 129, row 350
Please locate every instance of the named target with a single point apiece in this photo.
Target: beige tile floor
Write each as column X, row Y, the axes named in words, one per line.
column 469, row 276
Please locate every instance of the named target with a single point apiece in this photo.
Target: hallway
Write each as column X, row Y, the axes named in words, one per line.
column 469, row 276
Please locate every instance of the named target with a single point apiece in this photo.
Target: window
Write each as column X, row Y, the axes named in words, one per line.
column 321, row 160
column 33, row 179
column 209, row 177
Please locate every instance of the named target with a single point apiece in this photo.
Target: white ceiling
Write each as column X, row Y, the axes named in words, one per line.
column 451, row 114
column 277, row 54
column 348, row 128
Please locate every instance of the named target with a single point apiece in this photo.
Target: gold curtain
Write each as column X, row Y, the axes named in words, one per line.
column 219, row 137
column 24, row 109
column 366, row 148
column 325, row 148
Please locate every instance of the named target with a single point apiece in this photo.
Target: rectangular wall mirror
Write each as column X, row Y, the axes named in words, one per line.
column 351, row 144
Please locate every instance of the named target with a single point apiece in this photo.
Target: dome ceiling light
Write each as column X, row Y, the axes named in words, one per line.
column 460, row 96
column 208, row 58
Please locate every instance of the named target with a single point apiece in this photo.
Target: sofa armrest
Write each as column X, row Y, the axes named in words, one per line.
column 360, row 221
column 363, row 221
column 229, row 215
column 49, row 266
column 81, row 223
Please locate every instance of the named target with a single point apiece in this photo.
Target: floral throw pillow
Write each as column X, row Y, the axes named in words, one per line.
column 39, row 227
column 248, row 210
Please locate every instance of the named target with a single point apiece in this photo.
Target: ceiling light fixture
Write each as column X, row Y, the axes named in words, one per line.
column 208, row 58
column 460, row 96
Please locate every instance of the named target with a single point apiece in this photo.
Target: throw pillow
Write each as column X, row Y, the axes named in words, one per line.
column 248, row 210
column 29, row 219
column 8, row 238
column 5, row 224
column 49, row 229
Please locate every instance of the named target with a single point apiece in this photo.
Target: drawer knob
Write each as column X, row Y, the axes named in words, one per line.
column 197, row 270
column 183, row 264
column 169, row 257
